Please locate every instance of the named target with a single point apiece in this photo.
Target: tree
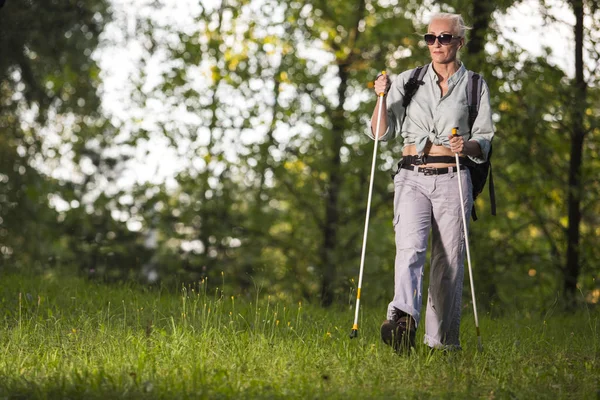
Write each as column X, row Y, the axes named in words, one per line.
column 48, row 77
column 580, row 129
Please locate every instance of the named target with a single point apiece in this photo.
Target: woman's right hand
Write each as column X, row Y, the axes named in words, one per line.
column 382, row 84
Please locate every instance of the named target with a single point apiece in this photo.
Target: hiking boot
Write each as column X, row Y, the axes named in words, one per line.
column 399, row 332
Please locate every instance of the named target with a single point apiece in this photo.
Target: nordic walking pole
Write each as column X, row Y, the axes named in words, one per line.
column 354, row 332
column 464, row 218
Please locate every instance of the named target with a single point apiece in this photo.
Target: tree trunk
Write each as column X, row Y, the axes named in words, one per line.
column 482, row 14
column 572, row 269
column 329, row 259
column 330, row 227
column 254, row 251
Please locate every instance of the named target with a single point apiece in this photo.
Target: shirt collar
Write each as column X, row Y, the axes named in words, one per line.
column 453, row 79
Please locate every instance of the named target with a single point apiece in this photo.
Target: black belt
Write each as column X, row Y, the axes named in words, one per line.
column 425, row 159
column 431, row 170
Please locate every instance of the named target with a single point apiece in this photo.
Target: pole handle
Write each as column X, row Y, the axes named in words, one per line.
column 382, row 93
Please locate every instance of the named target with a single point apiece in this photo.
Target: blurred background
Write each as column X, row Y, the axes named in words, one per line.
column 170, row 141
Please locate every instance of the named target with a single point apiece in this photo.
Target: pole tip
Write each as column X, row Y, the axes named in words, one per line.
column 354, row 333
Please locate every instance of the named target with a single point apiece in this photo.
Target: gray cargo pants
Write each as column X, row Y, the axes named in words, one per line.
column 423, row 203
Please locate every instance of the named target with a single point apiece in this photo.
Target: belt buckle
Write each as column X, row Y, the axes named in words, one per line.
column 420, row 159
column 429, row 171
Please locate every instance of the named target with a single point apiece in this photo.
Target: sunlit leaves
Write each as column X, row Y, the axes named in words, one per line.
column 51, row 113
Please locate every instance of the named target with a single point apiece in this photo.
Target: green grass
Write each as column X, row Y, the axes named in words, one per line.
column 63, row 337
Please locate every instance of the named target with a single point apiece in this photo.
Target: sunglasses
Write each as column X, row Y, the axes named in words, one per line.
column 444, row 38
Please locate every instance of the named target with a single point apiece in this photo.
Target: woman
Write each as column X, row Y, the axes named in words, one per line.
column 426, row 189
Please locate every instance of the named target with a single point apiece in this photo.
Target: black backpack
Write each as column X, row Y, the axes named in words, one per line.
column 479, row 172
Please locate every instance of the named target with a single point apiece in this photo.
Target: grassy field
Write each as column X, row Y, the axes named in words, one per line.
column 64, row 337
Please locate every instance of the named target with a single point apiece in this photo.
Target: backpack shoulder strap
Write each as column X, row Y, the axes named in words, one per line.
column 474, row 84
column 420, row 72
column 413, row 83
column 411, row 86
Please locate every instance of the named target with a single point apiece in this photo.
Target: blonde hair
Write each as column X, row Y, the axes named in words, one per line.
column 457, row 19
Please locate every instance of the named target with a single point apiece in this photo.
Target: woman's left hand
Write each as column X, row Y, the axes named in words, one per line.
column 457, row 144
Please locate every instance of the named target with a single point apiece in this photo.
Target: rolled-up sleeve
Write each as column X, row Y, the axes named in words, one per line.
column 395, row 111
column 483, row 127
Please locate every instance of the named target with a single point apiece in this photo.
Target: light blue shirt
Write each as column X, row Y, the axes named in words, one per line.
column 429, row 116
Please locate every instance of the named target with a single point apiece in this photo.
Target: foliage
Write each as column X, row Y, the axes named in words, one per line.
column 49, row 120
